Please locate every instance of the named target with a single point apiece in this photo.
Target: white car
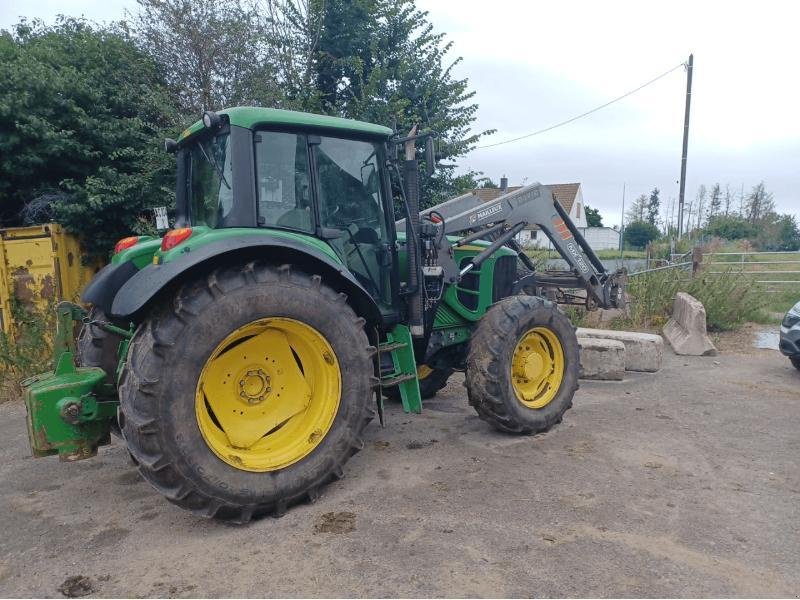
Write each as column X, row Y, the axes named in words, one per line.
column 790, row 335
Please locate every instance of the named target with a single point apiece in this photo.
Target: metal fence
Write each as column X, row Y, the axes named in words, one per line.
column 774, row 270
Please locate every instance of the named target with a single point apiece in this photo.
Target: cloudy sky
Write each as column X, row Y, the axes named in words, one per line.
column 534, row 64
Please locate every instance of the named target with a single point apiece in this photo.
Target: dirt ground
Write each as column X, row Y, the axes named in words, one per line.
column 680, row 483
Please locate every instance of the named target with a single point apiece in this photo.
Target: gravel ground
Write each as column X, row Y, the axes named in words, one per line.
column 680, row 483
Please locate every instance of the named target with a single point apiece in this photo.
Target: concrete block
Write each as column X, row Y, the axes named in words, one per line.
column 643, row 351
column 601, row 359
column 686, row 330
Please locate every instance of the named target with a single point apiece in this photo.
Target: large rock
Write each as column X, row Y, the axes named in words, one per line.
column 643, row 351
column 601, row 359
column 686, row 330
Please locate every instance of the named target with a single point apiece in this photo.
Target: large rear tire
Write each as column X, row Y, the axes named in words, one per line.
column 522, row 366
column 97, row 347
column 247, row 392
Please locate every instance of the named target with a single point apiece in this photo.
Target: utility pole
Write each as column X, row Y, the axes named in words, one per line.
column 689, row 67
column 622, row 222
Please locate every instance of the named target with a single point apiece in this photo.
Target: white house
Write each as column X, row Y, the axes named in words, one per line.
column 570, row 196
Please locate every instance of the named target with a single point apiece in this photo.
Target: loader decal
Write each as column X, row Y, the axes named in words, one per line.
column 562, row 228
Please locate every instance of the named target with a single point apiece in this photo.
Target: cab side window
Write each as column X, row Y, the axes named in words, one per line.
column 282, row 181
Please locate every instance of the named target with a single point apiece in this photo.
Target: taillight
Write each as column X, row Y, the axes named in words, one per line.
column 174, row 237
column 125, row 243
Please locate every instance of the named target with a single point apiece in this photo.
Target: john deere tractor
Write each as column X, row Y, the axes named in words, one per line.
column 241, row 355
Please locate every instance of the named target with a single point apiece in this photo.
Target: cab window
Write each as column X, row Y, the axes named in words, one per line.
column 282, row 181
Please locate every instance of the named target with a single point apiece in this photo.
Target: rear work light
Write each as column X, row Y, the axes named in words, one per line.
column 125, row 243
column 174, row 237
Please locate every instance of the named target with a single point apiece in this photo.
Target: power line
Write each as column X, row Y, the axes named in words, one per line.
column 588, row 112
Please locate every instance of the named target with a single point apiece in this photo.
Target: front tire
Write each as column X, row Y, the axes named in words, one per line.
column 795, row 360
column 247, row 392
column 522, row 366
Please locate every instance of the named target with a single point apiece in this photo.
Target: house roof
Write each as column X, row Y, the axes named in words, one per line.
column 565, row 193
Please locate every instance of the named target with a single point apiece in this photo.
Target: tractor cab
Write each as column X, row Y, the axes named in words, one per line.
column 321, row 177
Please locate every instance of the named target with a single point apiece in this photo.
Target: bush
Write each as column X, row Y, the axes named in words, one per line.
column 730, row 227
column 29, row 351
column 640, row 233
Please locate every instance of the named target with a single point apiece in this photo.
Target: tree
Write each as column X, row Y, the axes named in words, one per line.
column 652, row 207
column 83, row 114
column 728, row 198
column 381, row 61
column 636, row 211
column 714, row 202
column 759, row 203
column 777, row 233
column 593, row 216
column 701, row 199
column 470, row 181
column 212, row 53
column 640, row 233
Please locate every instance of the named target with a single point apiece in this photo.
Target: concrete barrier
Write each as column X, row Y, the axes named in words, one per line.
column 686, row 330
column 643, row 351
column 601, row 359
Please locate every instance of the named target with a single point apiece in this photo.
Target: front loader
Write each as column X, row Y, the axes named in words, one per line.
column 241, row 355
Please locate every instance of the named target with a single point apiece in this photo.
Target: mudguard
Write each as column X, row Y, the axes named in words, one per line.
column 106, row 283
column 134, row 296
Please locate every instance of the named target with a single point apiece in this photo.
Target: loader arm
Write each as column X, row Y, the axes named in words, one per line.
column 501, row 219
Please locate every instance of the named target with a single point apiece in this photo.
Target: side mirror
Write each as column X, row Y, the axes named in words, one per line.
column 430, row 158
column 170, row 145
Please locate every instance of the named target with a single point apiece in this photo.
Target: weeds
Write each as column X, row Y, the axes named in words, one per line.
column 28, row 350
column 729, row 299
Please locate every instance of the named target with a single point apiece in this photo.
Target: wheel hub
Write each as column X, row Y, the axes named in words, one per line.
column 254, row 386
column 537, row 367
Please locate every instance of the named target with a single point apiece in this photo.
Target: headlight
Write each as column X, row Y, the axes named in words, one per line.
column 792, row 317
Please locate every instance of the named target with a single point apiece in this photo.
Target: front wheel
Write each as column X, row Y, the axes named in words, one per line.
column 247, row 392
column 522, row 366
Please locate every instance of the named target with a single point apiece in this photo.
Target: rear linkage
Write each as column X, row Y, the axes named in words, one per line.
column 72, row 419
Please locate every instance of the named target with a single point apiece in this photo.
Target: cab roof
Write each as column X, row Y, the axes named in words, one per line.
column 252, row 116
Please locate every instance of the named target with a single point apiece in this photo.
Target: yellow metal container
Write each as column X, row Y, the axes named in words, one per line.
column 41, row 265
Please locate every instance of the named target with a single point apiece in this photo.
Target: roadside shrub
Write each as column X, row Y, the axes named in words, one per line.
column 729, row 299
column 28, row 351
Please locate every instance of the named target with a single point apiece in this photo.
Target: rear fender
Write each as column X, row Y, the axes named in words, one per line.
column 141, row 291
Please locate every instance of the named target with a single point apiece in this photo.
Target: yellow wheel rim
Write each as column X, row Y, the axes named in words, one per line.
column 423, row 371
column 537, row 367
column 268, row 394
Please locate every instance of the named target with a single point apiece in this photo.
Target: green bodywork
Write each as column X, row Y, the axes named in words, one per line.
column 141, row 254
column 252, row 117
column 70, row 410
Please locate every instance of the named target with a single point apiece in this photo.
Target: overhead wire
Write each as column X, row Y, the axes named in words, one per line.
column 585, row 114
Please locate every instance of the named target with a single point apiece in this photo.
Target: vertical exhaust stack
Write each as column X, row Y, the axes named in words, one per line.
column 503, row 185
column 411, row 176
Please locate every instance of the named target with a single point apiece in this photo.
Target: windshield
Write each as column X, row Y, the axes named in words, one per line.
column 211, row 193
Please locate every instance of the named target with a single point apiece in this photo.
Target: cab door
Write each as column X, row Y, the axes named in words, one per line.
column 351, row 210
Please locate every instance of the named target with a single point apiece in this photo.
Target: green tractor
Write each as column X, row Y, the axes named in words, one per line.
column 241, row 355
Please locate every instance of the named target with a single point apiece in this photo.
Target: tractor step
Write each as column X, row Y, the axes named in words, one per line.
column 396, row 380
column 400, row 347
column 391, row 347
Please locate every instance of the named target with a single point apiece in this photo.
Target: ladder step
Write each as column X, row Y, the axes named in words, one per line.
column 391, row 346
column 396, row 380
